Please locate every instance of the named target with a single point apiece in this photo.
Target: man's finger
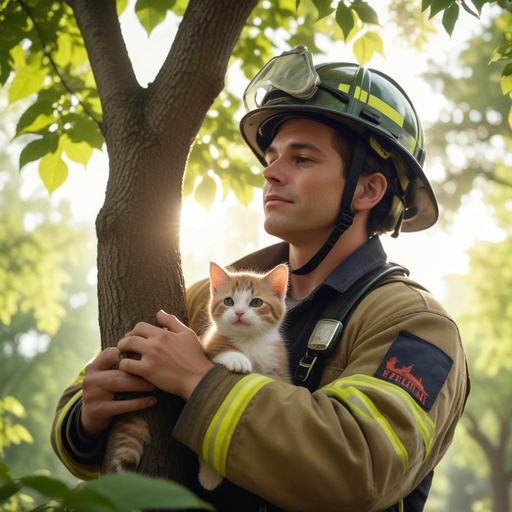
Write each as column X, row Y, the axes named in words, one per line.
column 116, row 407
column 170, row 321
column 106, row 359
column 121, row 381
column 144, row 330
column 132, row 344
column 131, row 366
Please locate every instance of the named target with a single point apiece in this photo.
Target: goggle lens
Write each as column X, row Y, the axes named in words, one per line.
column 292, row 72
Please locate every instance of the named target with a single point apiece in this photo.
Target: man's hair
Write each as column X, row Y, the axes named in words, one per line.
column 344, row 142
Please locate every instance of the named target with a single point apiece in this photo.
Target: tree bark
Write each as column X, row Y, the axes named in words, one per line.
column 496, row 456
column 148, row 134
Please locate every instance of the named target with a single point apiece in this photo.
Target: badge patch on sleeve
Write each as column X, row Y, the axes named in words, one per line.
column 417, row 366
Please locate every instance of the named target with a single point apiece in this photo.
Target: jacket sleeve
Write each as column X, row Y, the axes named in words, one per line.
column 81, row 454
column 78, row 452
column 360, row 442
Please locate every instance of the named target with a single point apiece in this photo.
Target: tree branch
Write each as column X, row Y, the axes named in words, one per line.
column 193, row 72
column 478, row 436
column 504, row 432
column 99, row 24
column 52, row 62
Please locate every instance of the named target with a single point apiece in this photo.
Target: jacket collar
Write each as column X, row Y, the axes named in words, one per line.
column 368, row 257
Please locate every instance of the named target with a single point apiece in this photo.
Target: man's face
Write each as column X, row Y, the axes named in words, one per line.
column 303, row 183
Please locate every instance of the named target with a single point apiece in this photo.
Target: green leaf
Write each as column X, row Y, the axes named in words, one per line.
column 23, row 434
column 450, row 17
column 53, row 171
column 425, row 4
column 479, row 4
column 26, row 82
column 366, row 13
column 345, row 19
column 188, row 183
column 4, row 473
column 131, row 491
column 510, row 117
column 27, row 122
column 8, row 489
column 243, row 191
column 506, row 79
column 323, row 7
column 84, row 499
column 37, row 149
column 121, row 6
column 17, row 57
column 79, row 152
column 62, row 56
column 47, row 486
column 205, row 192
column 85, row 129
column 13, row 406
column 152, row 12
column 438, row 6
column 366, row 46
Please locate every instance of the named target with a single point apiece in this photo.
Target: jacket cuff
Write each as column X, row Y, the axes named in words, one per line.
column 202, row 406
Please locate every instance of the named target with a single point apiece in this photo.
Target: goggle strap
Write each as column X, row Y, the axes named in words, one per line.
column 347, row 215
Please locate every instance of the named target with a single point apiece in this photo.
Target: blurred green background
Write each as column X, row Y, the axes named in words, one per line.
column 48, row 306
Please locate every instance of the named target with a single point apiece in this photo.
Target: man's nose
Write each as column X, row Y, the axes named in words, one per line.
column 275, row 173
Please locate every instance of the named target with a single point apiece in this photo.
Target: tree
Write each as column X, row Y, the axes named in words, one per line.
column 149, row 132
column 472, row 139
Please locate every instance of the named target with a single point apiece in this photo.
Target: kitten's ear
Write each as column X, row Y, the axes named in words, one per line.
column 278, row 279
column 217, row 275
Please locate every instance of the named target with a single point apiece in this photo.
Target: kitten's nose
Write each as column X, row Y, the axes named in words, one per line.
column 239, row 313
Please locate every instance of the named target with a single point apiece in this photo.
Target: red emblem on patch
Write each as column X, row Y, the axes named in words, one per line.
column 404, row 377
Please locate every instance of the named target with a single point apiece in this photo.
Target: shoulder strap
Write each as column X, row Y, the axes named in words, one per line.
column 328, row 330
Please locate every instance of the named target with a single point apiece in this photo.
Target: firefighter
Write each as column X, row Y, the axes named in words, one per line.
column 363, row 426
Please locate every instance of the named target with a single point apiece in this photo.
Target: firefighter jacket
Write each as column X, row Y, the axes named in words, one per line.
column 383, row 414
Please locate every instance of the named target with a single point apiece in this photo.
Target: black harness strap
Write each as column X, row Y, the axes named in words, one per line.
column 329, row 329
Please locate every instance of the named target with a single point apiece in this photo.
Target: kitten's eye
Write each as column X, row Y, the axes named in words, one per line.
column 229, row 302
column 256, row 303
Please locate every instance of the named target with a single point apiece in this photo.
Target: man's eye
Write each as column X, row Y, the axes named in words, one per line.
column 229, row 301
column 303, row 160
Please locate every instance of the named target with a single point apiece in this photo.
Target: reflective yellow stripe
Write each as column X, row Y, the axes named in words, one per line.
column 360, row 404
column 344, row 87
column 426, row 427
column 360, row 94
column 218, row 436
column 76, row 469
column 386, row 109
column 401, row 506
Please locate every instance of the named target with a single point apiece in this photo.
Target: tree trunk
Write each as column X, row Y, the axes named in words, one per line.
column 148, row 134
column 496, row 455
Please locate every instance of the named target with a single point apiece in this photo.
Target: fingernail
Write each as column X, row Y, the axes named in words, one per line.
column 164, row 312
column 152, row 401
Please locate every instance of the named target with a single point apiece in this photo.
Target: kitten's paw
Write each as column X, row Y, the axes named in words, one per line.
column 208, row 477
column 234, row 362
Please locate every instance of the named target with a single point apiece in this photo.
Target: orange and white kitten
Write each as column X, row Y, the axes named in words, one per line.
column 246, row 312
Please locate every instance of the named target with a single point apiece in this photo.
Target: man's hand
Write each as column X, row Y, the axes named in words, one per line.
column 172, row 360
column 99, row 385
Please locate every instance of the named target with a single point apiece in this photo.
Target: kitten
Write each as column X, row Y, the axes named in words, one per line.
column 246, row 312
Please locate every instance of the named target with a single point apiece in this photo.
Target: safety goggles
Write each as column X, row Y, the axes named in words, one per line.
column 292, row 72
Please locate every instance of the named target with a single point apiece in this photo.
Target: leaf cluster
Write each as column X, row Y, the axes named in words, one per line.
column 111, row 493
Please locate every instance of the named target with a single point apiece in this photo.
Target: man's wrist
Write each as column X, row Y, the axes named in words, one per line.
column 191, row 383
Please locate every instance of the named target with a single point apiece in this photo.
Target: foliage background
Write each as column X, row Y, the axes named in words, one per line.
column 48, row 308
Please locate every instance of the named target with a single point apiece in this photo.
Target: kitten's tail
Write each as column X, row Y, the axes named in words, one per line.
column 128, row 440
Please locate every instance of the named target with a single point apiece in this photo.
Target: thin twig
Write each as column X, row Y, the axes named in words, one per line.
column 47, row 54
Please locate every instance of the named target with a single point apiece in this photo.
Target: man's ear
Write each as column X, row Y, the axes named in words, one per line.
column 369, row 191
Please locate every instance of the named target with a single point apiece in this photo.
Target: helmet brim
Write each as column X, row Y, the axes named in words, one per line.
column 421, row 210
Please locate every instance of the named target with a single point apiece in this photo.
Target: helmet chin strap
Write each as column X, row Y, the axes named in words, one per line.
column 347, row 215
